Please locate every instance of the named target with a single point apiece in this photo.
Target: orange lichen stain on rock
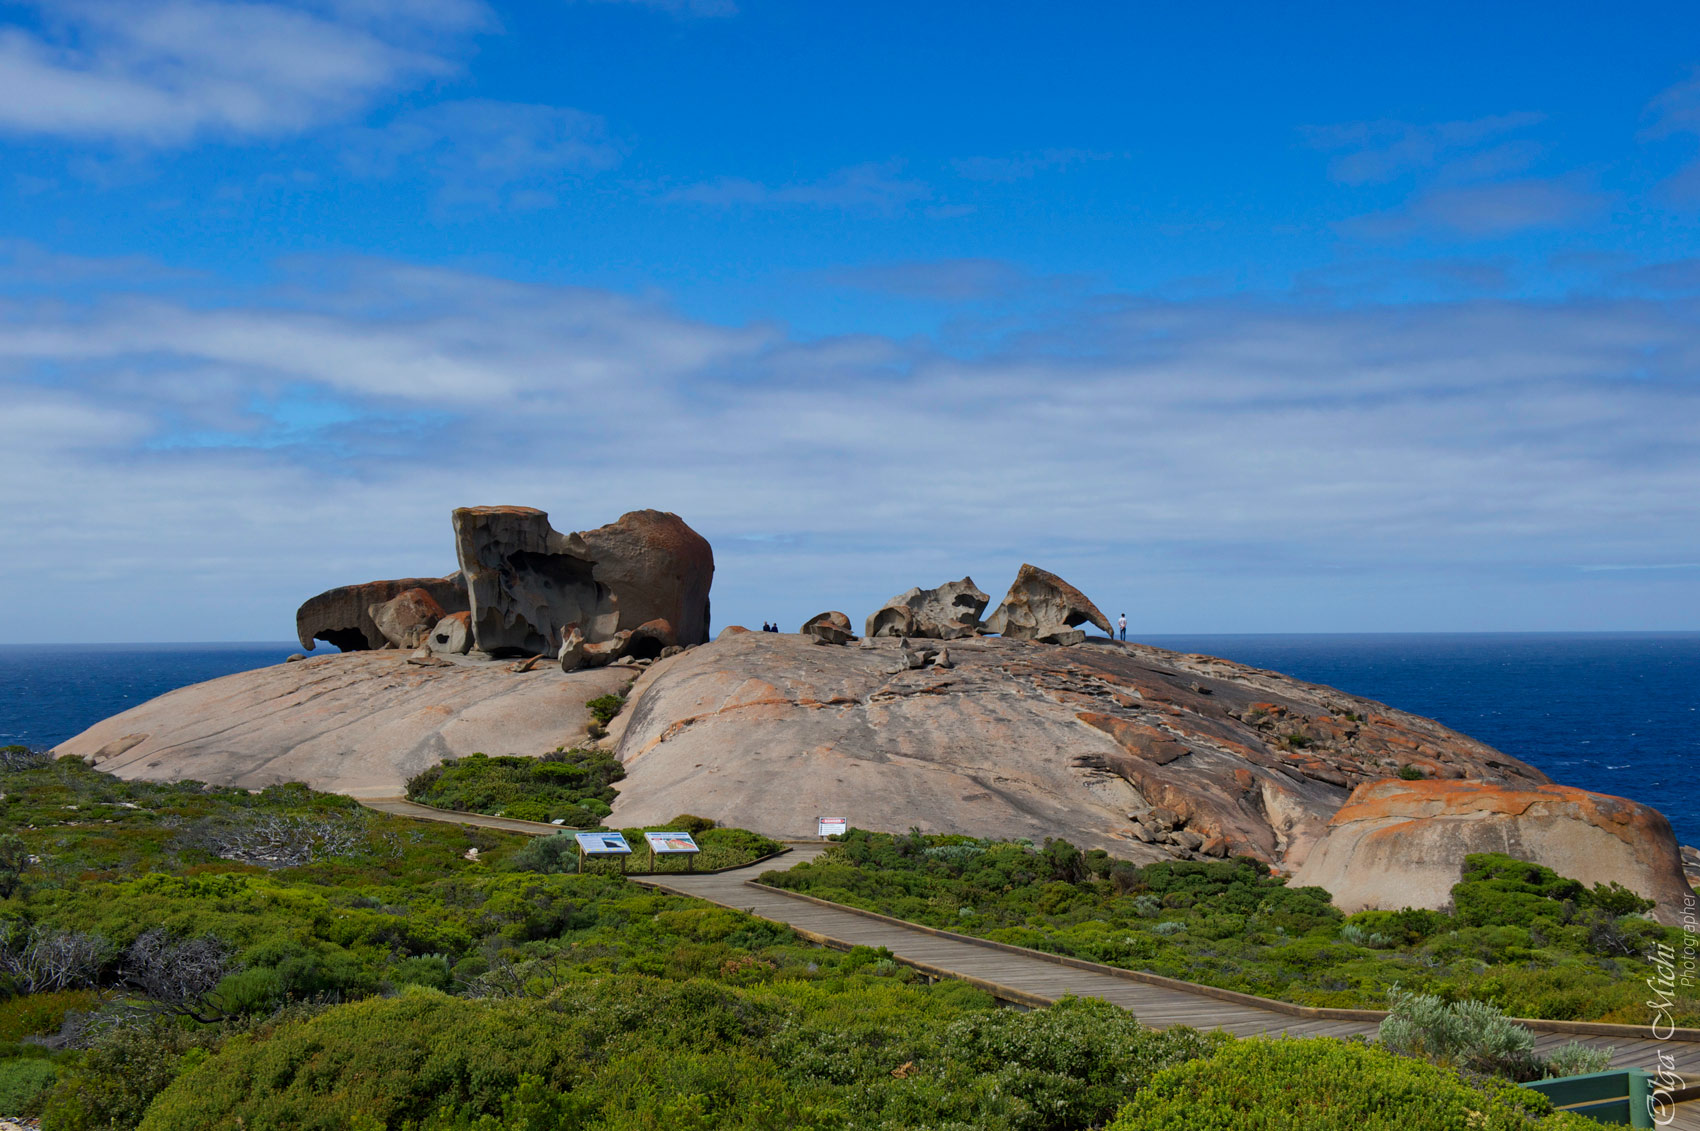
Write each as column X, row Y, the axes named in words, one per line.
column 1630, row 821
column 1148, row 742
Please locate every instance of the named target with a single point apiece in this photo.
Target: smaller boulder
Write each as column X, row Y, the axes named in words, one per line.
column 605, row 652
column 451, row 636
column 829, row 628
column 571, row 653
column 732, row 630
column 407, row 618
column 650, row 638
column 943, row 660
column 1064, row 637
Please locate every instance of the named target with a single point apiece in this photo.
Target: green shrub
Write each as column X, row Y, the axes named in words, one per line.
column 1411, row 773
column 31, row 1015
column 603, row 708
column 22, row 1080
column 1321, row 1084
column 691, row 823
column 1460, row 1034
column 117, row 1078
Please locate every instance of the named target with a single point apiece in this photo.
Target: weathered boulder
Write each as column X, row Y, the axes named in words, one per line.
column 528, row 583
column 360, row 723
column 407, row 618
column 1041, row 604
column 451, row 636
column 1397, row 844
column 604, row 652
column 342, row 617
column 829, row 628
column 1014, row 738
column 947, row 613
column 571, row 652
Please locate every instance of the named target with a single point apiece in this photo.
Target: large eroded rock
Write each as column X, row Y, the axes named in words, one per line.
column 529, row 585
column 1399, row 844
column 342, row 617
column 1040, row 604
column 361, row 723
column 1016, row 738
column 949, row 612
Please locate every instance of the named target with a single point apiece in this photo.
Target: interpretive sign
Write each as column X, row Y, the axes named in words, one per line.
column 602, row 844
column 832, row 826
column 664, row 842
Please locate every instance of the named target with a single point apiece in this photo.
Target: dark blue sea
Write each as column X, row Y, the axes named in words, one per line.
column 1617, row 713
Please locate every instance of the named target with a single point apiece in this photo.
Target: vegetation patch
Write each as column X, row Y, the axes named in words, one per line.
column 184, row 957
column 1326, row 1085
column 1522, row 938
column 575, row 787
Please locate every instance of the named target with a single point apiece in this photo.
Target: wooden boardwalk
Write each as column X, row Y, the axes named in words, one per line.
column 1031, row 979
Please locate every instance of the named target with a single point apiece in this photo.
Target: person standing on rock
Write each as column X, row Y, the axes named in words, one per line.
column 1121, row 623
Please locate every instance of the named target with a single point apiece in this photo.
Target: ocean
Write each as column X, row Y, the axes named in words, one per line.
column 1614, row 712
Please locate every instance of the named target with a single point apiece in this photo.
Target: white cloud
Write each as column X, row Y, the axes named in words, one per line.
column 1243, row 449
column 164, row 72
column 1384, row 150
column 1486, row 211
column 490, row 153
column 876, row 187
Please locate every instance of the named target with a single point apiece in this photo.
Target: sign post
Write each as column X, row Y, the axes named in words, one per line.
column 602, row 844
column 830, row 826
column 671, row 843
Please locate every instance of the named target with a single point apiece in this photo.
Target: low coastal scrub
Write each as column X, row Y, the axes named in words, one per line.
column 162, row 965
column 1326, row 1085
column 1521, row 937
column 575, row 787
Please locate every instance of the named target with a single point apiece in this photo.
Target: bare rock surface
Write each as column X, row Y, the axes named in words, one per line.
column 1018, row 738
column 946, row 613
column 1399, row 844
column 342, row 617
column 529, row 585
column 360, row 723
column 1040, row 604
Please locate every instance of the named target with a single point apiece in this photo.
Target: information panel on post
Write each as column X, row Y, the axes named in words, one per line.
column 831, row 826
column 671, row 842
column 603, row 844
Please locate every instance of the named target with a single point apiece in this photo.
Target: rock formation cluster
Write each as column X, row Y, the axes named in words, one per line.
column 636, row 587
column 1039, row 606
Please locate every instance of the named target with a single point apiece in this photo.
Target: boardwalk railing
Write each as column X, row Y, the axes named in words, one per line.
column 1608, row 1097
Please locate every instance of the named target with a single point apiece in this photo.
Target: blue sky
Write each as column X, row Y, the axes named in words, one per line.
column 1325, row 318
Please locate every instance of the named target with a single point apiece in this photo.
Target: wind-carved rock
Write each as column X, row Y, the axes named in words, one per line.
column 949, row 612
column 342, row 617
column 829, row 628
column 527, row 584
column 1399, row 843
column 1042, row 606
